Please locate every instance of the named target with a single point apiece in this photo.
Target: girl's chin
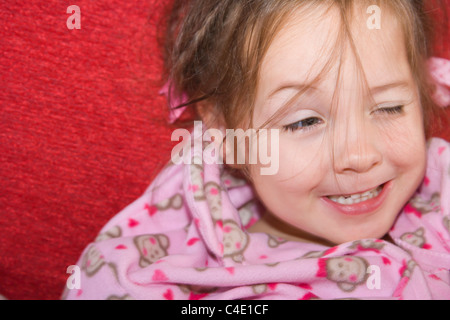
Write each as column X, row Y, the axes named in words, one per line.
column 350, row 228
column 339, row 238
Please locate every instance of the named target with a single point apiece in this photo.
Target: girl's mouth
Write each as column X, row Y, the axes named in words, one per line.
column 358, row 197
column 360, row 203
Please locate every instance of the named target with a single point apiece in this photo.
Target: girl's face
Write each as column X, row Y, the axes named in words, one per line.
column 349, row 159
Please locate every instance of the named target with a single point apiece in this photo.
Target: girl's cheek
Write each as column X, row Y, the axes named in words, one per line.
column 298, row 169
column 404, row 147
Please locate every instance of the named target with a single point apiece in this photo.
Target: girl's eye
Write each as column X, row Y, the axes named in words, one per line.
column 305, row 124
column 391, row 110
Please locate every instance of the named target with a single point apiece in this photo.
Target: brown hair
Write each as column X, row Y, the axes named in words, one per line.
column 215, row 49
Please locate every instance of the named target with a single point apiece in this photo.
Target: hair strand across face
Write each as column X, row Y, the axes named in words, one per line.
column 215, row 48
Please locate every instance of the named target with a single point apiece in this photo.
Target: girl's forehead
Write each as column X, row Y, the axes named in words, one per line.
column 309, row 44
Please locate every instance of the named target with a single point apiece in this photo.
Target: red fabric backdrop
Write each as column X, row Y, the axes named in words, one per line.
column 83, row 129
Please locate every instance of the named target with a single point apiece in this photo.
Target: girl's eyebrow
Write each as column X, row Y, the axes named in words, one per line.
column 293, row 85
column 402, row 84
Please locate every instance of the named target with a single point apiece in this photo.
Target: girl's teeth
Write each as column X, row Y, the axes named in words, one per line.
column 356, row 198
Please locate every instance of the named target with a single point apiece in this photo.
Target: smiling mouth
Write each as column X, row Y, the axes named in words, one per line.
column 357, row 197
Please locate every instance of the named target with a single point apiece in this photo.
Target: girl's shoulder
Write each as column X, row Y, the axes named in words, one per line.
column 423, row 226
column 437, row 141
column 437, row 177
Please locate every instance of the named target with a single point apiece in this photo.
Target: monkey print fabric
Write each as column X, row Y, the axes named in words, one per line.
column 186, row 238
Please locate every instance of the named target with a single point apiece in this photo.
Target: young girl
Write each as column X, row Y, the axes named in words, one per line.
column 359, row 204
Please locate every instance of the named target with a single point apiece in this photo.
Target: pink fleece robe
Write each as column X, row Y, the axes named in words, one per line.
column 186, row 238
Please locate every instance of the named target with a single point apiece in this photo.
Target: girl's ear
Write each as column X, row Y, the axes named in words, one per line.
column 213, row 119
column 210, row 116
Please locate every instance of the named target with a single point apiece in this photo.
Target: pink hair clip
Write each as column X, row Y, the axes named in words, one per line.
column 440, row 72
column 175, row 101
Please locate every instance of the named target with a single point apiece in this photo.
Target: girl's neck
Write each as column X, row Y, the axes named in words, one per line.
column 273, row 226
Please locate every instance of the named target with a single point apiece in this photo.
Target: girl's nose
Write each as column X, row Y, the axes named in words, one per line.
column 357, row 152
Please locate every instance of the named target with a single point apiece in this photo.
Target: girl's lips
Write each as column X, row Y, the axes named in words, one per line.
column 363, row 207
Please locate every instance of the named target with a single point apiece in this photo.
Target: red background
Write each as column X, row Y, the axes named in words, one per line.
column 83, row 129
